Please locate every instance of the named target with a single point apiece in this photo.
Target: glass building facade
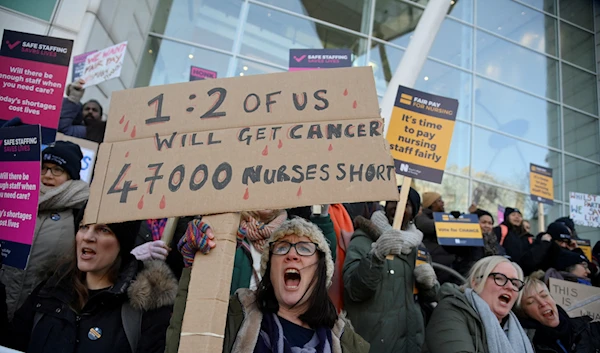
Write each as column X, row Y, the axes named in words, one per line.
column 524, row 72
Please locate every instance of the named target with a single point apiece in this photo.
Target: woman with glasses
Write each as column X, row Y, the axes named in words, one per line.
column 62, row 194
column 477, row 317
column 290, row 311
column 548, row 325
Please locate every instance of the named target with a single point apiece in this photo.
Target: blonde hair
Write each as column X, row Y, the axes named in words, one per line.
column 482, row 269
column 531, row 283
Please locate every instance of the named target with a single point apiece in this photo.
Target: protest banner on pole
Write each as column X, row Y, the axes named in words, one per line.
column 104, row 64
column 89, row 150
column 312, row 59
column 577, row 299
column 541, row 190
column 585, row 209
column 239, row 144
column 198, row 73
column 462, row 231
column 79, row 64
column 500, row 214
column 19, row 191
column 33, row 70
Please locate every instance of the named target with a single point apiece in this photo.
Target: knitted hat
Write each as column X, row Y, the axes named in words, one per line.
column 569, row 223
column 66, row 155
column 559, row 231
column 566, row 259
column 429, row 198
column 415, row 200
column 480, row 213
column 302, row 228
column 508, row 211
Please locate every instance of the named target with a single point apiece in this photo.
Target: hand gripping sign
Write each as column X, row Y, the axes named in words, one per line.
column 239, row 144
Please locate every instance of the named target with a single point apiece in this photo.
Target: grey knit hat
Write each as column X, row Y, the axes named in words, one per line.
column 302, row 228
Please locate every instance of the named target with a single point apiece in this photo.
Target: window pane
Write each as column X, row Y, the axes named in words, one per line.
column 436, row 78
column 208, row 22
column 505, row 161
column 582, row 134
column 579, row 89
column 384, row 60
column 516, row 113
column 459, row 156
column 580, row 12
column 516, row 66
column 519, row 23
column 461, row 9
column 165, row 62
column 353, row 15
column 269, row 35
column 454, row 191
column 545, row 5
column 41, row 9
column 452, row 44
column 247, row 67
column 577, row 46
column 581, row 176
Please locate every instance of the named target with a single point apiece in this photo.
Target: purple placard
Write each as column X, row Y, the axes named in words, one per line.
column 79, row 64
column 198, row 73
column 313, row 59
column 19, row 191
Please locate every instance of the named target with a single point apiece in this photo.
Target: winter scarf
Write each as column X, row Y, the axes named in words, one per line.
column 271, row 339
column 157, row 227
column 556, row 338
column 257, row 232
column 70, row 194
column 513, row 341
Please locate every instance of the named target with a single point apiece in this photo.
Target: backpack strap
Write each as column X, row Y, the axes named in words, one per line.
column 132, row 324
column 504, row 233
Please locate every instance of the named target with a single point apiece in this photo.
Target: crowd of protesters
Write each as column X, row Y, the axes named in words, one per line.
column 341, row 279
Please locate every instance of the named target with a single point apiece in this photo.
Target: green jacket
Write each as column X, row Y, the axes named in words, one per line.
column 242, row 265
column 379, row 297
column 244, row 320
column 455, row 326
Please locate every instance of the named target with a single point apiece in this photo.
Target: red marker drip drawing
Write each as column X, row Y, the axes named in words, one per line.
column 122, row 119
column 299, row 193
column 354, row 105
column 246, row 195
column 346, row 92
column 126, row 126
column 141, row 203
column 330, row 147
column 265, row 151
column 163, row 203
column 280, row 144
column 133, row 132
column 127, row 154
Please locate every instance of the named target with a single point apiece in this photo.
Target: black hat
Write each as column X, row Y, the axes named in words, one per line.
column 569, row 223
column 66, row 155
column 415, row 200
column 126, row 232
column 508, row 211
column 480, row 213
column 567, row 258
column 559, row 231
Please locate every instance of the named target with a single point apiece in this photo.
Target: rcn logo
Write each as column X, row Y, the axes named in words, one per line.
column 404, row 167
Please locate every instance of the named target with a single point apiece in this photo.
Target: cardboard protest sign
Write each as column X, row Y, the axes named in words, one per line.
column 420, row 133
column 541, row 186
column 311, row 59
column 585, row 209
column 79, row 64
column 33, row 70
column 586, row 246
column 89, row 150
column 104, row 64
column 577, row 299
column 19, row 191
column 248, row 143
column 462, row 231
column 198, row 73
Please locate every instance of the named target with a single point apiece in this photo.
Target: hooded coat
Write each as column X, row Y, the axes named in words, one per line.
column 378, row 296
column 53, row 238
column 516, row 245
column 243, row 327
column 149, row 288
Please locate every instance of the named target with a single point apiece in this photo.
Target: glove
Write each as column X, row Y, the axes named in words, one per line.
column 425, row 276
column 389, row 243
column 75, row 91
column 198, row 237
column 412, row 238
column 380, row 221
column 153, row 250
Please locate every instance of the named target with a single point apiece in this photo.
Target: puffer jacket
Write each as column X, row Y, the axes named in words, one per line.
column 149, row 288
column 455, row 326
column 244, row 320
column 53, row 239
column 378, row 295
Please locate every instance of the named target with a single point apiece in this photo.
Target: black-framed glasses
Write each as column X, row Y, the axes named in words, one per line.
column 56, row 171
column 303, row 248
column 500, row 279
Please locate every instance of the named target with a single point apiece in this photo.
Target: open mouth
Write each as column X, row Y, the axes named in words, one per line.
column 87, row 253
column 504, row 298
column 549, row 314
column 292, row 278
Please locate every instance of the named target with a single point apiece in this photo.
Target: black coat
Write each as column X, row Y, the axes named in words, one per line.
column 60, row 329
column 514, row 244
